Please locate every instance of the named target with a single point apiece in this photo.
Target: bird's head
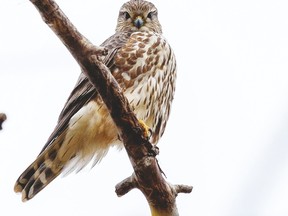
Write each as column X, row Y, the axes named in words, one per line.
column 138, row 15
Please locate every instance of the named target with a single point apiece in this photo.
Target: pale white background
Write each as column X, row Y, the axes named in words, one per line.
column 228, row 131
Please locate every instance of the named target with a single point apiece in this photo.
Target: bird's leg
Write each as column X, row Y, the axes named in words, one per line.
column 153, row 149
column 147, row 129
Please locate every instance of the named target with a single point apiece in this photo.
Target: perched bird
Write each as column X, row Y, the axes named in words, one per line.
column 144, row 65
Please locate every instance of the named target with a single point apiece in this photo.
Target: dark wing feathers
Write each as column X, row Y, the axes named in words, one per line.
column 84, row 91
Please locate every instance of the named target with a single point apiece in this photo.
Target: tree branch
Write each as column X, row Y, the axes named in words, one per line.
column 3, row 117
column 147, row 175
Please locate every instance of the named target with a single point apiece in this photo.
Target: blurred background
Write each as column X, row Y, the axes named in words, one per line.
column 228, row 131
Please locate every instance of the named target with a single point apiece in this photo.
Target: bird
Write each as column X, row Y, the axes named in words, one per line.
column 144, row 64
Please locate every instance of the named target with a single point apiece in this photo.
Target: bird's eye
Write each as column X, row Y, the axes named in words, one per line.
column 126, row 15
column 150, row 15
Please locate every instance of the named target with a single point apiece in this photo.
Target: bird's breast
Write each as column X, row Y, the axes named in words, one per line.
column 145, row 68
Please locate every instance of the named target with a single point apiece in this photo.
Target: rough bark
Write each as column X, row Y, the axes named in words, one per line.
column 147, row 175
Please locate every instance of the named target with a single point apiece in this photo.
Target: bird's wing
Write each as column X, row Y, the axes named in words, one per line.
column 84, row 91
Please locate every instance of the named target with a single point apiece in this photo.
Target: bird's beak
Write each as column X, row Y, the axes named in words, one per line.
column 138, row 22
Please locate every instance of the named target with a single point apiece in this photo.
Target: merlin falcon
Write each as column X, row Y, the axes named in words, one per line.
column 144, row 65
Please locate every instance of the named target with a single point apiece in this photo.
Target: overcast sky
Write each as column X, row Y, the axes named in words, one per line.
column 228, row 131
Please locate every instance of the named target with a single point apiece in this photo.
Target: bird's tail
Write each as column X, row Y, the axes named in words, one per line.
column 40, row 173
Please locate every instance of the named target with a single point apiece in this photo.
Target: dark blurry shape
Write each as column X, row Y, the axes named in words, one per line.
column 3, row 117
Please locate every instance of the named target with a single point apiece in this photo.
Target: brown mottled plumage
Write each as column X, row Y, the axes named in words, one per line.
column 143, row 63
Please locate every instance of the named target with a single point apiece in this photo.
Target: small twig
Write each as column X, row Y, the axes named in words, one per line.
column 131, row 182
column 125, row 186
column 183, row 188
column 3, row 117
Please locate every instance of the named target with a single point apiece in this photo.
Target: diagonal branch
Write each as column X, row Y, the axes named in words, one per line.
column 85, row 53
column 147, row 174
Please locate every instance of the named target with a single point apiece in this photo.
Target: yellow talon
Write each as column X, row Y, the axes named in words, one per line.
column 147, row 130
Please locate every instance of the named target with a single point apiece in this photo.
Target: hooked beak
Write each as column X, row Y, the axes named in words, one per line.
column 138, row 22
